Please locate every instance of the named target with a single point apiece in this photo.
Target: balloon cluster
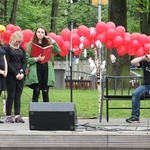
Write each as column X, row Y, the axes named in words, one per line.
column 106, row 33
column 7, row 31
column 83, row 37
column 124, row 42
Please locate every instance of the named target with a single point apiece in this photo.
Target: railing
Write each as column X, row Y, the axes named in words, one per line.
column 80, row 80
column 120, row 88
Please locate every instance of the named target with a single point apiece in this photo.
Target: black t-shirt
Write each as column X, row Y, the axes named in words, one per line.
column 16, row 59
column 145, row 65
column 2, row 53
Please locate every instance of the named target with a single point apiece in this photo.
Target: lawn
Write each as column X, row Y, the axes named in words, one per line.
column 86, row 102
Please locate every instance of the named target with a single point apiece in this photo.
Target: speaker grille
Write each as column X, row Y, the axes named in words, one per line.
column 52, row 116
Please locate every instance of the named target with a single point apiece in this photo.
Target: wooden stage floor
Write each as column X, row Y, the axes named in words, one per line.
column 89, row 135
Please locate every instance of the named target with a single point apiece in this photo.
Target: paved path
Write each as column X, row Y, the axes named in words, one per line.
column 90, row 134
column 85, row 126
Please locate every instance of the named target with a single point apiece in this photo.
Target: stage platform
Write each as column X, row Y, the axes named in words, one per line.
column 89, row 135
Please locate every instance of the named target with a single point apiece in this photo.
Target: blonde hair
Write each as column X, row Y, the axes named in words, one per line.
column 17, row 36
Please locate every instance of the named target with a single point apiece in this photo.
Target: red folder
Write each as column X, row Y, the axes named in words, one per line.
column 44, row 51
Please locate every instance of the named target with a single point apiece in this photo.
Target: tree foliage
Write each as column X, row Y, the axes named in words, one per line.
column 33, row 13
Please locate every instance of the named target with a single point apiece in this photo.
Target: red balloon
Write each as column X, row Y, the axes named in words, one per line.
column 118, row 41
column 143, row 39
column 83, row 30
column 10, row 27
column 135, row 44
column 110, row 25
column 59, row 40
column 120, row 30
column 6, row 36
column 77, row 51
column 100, row 27
column 16, row 28
column 127, row 40
column 130, row 51
column 102, row 38
column 139, row 52
column 75, row 39
column 86, row 42
column 62, row 54
column 65, row 47
column 27, row 35
column 109, row 44
column 148, row 39
column 75, row 31
column 52, row 35
column 147, row 48
column 110, row 34
column 122, row 50
column 134, row 36
column 66, row 34
column 24, row 45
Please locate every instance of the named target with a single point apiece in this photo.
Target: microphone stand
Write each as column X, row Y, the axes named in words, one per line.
column 70, row 64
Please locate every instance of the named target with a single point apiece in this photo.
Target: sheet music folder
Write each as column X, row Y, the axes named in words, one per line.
column 44, row 51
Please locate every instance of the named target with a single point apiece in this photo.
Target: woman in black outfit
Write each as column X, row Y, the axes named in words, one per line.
column 3, row 69
column 16, row 76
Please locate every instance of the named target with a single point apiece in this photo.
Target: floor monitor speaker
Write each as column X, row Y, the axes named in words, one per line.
column 52, row 116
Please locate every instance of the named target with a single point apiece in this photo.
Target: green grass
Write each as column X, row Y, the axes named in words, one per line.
column 86, row 102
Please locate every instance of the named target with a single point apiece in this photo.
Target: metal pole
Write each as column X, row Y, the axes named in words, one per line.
column 71, row 84
column 99, row 72
column 99, row 10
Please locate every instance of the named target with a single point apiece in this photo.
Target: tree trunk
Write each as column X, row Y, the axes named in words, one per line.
column 117, row 14
column 54, row 15
column 13, row 12
column 5, row 10
column 144, row 19
column 145, row 28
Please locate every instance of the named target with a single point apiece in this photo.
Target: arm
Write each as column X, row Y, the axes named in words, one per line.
column 136, row 61
column 6, row 66
column 56, row 48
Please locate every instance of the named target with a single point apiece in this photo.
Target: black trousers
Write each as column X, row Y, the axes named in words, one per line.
column 14, row 92
column 42, row 74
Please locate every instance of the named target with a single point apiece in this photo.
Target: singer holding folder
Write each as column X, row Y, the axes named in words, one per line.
column 39, row 61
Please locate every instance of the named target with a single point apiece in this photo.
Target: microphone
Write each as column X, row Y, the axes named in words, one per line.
column 21, row 71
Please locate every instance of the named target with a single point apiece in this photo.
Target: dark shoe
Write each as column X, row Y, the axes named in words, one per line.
column 19, row 119
column 9, row 119
column 1, row 121
column 132, row 119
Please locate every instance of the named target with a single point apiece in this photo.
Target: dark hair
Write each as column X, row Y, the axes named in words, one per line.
column 45, row 42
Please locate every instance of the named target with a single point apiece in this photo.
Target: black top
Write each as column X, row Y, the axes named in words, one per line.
column 145, row 65
column 16, row 60
column 2, row 53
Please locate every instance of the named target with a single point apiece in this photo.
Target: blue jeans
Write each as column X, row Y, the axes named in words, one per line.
column 136, row 96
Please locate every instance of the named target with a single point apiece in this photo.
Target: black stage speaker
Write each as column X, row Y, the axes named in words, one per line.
column 52, row 116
